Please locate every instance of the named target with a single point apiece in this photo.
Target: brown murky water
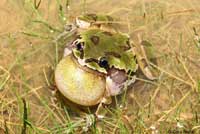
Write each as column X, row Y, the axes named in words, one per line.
column 28, row 57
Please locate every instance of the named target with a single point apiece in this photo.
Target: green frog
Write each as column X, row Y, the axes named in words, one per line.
column 100, row 62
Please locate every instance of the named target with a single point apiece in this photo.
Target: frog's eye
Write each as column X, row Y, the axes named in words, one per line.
column 79, row 45
column 103, row 62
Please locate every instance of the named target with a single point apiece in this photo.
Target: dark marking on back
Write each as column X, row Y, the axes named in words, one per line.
column 78, row 36
column 144, row 63
column 109, row 18
column 107, row 33
column 128, row 43
column 95, row 39
column 125, row 48
column 113, row 54
column 145, row 43
column 135, row 58
column 97, row 25
column 93, row 16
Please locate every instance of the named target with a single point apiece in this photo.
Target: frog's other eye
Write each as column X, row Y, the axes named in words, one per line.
column 103, row 62
column 79, row 46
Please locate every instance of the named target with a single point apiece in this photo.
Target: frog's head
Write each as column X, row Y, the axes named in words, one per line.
column 107, row 53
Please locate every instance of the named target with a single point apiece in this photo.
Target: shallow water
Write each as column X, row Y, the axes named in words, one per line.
column 28, row 58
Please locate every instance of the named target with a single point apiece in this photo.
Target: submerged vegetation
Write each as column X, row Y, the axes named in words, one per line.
column 31, row 45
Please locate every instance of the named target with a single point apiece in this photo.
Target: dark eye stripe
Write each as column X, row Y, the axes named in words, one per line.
column 113, row 54
column 91, row 60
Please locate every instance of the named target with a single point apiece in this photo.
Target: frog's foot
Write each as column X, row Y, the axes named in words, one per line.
column 69, row 30
column 54, row 91
column 116, row 82
column 101, row 109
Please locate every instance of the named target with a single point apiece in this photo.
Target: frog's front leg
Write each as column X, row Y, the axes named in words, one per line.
column 101, row 110
column 53, row 91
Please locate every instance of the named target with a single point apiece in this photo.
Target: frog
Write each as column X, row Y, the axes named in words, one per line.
column 100, row 62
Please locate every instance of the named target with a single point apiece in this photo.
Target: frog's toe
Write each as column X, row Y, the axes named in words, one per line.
column 149, row 74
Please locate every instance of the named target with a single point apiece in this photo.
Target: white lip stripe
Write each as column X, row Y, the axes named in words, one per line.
column 81, row 62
